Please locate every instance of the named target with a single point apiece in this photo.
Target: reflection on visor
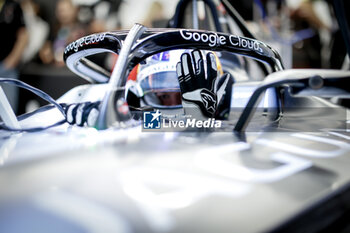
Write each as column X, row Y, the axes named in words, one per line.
column 163, row 99
column 162, row 90
column 162, row 81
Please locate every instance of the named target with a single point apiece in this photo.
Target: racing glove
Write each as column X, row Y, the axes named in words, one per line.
column 200, row 86
column 82, row 113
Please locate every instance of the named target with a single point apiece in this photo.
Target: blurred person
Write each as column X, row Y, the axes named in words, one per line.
column 96, row 26
column 308, row 11
column 100, row 14
column 155, row 16
column 38, row 29
column 106, row 16
column 67, row 30
column 314, row 14
column 13, row 42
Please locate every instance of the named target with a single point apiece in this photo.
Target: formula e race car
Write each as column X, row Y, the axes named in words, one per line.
column 192, row 131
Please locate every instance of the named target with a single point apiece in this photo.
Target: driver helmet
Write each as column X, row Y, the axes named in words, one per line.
column 155, row 80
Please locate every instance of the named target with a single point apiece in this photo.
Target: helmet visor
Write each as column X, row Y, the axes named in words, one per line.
column 162, row 90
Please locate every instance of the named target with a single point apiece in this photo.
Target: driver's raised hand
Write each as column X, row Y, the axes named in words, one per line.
column 198, row 80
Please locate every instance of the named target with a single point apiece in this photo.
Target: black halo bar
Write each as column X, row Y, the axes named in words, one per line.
column 157, row 40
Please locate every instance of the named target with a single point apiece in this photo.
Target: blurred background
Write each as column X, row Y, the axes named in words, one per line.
column 305, row 32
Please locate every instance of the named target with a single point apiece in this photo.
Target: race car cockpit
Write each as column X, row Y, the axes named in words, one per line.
column 174, row 60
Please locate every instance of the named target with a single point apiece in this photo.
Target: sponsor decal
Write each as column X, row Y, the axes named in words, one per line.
column 154, row 120
column 191, row 123
column 214, row 39
column 208, row 100
column 211, row 38
column 151, row 120
column 85, row 41
column 245, row 43
column 163, row 56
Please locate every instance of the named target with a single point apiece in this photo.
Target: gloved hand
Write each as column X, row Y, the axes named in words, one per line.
column 200, row 88
column 82, row 113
